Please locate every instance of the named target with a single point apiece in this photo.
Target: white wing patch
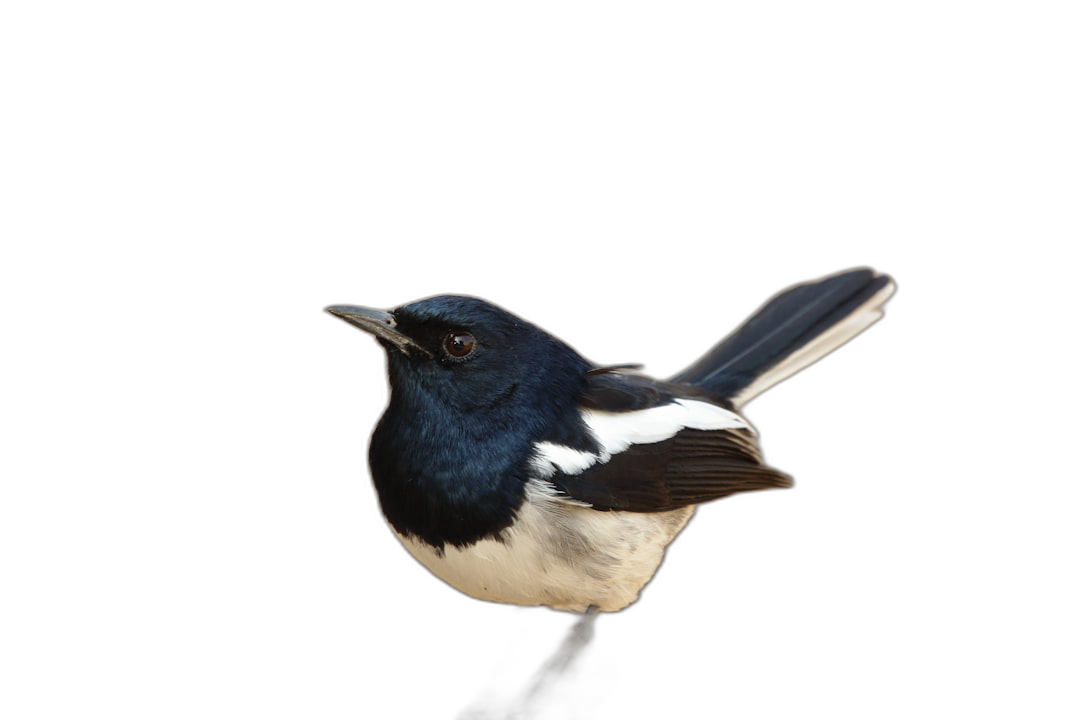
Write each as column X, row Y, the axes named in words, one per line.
column 551, row 457
column 616, row 431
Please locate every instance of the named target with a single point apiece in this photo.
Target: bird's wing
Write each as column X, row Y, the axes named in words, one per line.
column 654, row 449
column 693, row 466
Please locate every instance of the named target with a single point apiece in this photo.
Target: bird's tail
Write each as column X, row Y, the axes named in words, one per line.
column 792, row 330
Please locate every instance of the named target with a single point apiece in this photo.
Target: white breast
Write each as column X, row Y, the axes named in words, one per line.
column 562, row 553
column 559, row 553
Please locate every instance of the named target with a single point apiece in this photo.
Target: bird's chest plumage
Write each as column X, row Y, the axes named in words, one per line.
column 490, row 513
column 559, row 554
column 452, row 477
column 442, row 482
column 471, row 508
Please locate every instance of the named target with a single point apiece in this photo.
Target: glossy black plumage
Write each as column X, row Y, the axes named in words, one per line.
column 780, row 328
column 693, row 467
column 498, row 432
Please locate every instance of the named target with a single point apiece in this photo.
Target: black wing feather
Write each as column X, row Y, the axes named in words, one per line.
column 692, row 467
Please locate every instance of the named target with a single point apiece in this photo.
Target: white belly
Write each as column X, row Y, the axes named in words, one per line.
column 560, row 554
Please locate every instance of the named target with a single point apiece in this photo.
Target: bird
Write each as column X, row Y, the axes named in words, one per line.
column 519, row 472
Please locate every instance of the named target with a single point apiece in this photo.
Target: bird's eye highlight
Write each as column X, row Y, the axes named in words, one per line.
column 459, row 344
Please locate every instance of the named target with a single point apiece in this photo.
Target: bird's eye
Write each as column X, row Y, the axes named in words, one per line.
column 459, row 344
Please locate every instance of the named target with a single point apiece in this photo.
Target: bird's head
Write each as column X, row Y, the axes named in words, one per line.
column 467, row 355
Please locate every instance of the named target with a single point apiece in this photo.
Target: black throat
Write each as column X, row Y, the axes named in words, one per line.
column 440, row 481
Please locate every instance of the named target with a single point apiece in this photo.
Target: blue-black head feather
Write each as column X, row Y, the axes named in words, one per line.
column 450, row 455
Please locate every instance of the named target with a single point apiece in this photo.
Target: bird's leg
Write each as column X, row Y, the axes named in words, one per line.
column 529, row 701
column 562, row 663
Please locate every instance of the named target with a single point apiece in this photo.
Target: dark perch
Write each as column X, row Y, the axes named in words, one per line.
column 556, row 666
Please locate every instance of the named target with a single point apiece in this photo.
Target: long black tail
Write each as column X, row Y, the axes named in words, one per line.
column 792, row 330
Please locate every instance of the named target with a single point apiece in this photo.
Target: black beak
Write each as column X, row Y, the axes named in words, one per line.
column 380, row 324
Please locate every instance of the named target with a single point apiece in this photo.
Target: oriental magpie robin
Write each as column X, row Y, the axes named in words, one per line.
column 520, row 472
